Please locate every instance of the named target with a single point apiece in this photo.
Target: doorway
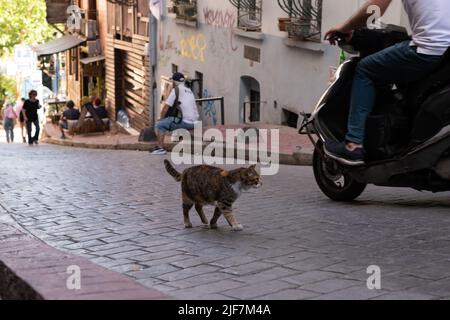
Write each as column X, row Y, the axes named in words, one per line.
column 250, row 100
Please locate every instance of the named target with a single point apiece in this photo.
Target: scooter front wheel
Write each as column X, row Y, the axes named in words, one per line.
column 334, row 183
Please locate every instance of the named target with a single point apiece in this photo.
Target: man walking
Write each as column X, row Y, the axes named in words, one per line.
column 404, row 63
column 30, row 114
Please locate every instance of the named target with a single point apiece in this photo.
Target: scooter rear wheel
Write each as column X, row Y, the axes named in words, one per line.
column 334, row 183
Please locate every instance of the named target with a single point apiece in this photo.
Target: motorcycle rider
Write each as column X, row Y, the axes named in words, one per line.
column 404, row 62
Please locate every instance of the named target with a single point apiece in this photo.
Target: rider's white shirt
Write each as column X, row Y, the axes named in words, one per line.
column 188, row 104
column 430, row 23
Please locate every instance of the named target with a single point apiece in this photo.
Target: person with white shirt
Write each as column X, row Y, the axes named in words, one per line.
column 402, row 63
column 183, row 99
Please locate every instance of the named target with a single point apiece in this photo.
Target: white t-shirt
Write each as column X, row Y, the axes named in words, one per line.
column 430, row 23
column 187, row 104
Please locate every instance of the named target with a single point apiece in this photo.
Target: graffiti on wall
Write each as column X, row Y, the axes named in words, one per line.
column 209, row 108
column 221, row 19
column 194, row 47
column 166, row 48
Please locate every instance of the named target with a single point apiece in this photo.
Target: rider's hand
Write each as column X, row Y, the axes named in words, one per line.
column 331, row 34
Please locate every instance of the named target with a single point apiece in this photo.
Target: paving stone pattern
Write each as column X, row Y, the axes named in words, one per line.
column 122, row 211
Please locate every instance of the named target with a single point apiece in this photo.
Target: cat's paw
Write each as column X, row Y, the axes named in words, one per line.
column 188, row 225
column 238, row 227
column 213, row 226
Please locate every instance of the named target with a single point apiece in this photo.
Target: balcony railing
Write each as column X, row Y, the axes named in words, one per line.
column 130, row 3
column 249, row 14
column 305, row 19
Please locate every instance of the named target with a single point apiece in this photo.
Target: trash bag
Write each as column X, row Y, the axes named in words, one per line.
column 123, row 119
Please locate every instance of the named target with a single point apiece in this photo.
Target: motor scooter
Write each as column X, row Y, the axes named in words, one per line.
column 407, row 139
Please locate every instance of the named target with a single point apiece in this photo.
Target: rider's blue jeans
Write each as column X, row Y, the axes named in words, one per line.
column 398, row 64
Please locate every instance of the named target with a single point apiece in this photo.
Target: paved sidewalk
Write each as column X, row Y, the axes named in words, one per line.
column 294, row 149
column 32, row 270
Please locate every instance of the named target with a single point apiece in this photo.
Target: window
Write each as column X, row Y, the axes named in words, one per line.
column 249, row 14
column 305, row 19
column 121, row 18
column 111, row 18
column 76, row 60
column 174, row 68
column 185, row 11
column 142, row 18
column 69, row 55
column 197, row 85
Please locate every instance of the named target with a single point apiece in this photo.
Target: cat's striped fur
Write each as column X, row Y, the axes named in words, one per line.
column 207, row 185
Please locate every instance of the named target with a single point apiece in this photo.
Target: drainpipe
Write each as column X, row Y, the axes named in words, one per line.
column 148, row 134
column 153, row 32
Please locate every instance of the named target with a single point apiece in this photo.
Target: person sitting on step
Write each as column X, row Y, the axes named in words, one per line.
column 71, row 114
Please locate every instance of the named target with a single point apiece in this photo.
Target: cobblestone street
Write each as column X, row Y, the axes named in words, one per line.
column 121, row 210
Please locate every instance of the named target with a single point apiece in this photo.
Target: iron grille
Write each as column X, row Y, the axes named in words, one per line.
column 249, row 14
column 184, row 9
column 130, row 3
column 305, row 18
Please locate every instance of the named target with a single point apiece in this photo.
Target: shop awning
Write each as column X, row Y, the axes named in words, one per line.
column 92, row 59
column 58, row 45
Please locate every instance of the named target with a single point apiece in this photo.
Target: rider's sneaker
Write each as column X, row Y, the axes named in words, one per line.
column 339, row 152
column 159, row 151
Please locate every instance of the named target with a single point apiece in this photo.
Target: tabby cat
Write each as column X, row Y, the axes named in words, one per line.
column 207, row 185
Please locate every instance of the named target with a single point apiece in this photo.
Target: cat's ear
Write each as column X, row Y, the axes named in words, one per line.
column 255, row 167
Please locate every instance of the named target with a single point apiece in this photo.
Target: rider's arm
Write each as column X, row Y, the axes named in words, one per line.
column 360, row 18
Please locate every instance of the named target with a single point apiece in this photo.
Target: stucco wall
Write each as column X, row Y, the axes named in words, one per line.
column 290, row 77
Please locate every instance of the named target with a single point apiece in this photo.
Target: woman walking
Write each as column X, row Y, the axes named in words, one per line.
column 9, row 116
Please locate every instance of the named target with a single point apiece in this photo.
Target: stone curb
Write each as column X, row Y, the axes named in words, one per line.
column 302, row 157
column 32, row 270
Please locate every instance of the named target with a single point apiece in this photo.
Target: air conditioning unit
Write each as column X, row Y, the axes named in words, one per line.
column 90, row 29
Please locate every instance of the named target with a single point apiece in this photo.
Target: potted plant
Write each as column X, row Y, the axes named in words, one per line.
column 283, row 24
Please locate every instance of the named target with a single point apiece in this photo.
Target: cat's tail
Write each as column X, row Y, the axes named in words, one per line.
column 171, row 170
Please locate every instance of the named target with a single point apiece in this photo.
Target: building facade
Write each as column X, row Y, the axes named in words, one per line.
column 78, row 50
column 85, row 64
column 105, row 53
column 267, row 58
column 127, row 61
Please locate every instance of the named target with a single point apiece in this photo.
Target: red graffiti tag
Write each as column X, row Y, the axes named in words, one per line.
column 221, row 19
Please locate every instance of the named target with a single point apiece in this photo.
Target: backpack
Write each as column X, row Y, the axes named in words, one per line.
column 175, row 110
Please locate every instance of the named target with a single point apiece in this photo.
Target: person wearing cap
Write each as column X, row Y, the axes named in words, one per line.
column 188, row 107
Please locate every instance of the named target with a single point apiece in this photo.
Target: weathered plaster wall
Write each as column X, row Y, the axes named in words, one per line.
column 290, row 77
